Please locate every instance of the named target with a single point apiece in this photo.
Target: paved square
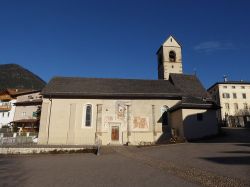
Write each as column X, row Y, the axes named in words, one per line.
column 223, row 161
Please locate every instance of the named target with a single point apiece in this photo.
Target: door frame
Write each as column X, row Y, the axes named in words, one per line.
column 115, row 124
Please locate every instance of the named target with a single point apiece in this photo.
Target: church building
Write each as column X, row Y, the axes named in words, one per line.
column 83, row 111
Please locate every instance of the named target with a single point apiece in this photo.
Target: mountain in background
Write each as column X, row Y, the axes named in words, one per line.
column 15, row 76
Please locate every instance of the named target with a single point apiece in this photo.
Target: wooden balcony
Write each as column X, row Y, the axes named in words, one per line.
column 5, row 97
column 5, row 107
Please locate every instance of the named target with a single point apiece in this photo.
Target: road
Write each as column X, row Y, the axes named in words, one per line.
column 222, row 161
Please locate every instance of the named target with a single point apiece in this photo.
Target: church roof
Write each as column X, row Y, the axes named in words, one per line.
column 188, row 84
column 110, row 88
column 194, row 103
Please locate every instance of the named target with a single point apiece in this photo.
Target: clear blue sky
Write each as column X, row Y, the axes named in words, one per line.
column 119, row 38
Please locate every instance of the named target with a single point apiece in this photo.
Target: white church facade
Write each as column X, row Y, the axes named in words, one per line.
column 82, row 111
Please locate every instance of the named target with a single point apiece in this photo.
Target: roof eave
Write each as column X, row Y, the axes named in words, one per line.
column 217, row 83
column 194, row 106
column 111, row 96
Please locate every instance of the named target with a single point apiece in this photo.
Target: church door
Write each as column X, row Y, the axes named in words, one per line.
column 115, row 133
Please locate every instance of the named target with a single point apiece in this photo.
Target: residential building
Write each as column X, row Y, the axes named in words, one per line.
column 27, row 112
column 128, row 111
column 233, row 97
column 7, row 104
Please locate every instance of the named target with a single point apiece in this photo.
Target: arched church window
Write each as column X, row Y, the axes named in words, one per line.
column 172, row 56
column 88, row 115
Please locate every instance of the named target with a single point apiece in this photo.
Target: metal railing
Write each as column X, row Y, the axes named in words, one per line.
column 13, row 139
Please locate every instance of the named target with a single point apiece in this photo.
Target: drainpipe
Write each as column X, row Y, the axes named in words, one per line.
column 49, row 118
column 128, row 117
column 153, row 121
column 97, row 107
column 98, row 143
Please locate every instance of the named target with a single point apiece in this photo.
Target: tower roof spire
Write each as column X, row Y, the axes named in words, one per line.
column 170, row 42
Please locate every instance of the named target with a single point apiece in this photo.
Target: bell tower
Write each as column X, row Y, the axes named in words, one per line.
column 169, row 58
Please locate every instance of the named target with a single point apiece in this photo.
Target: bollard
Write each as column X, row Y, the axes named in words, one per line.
column 98, row 147
column 98, row 150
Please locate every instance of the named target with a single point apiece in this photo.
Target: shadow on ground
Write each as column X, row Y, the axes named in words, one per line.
column 228, row 135
column 244, row 144
column 239, row 160
column 237, row 152
column 235, row 136
column 10, row 172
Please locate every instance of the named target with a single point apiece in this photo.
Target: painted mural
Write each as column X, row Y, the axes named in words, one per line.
column 106, row 121
column 121, row 110
column 116, row 113
column 140, row 123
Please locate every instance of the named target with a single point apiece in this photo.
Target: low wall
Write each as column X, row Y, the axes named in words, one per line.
column 39, row 150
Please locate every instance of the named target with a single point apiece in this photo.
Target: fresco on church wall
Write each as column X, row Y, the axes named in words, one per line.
column 115, row 113
column 140, row 123
column 121, row 110
column 106, row 121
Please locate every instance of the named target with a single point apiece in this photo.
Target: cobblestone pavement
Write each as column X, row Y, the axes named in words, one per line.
column 190, row 173
column 223, row 161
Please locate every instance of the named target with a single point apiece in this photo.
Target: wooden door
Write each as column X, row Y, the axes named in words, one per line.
column 115, row 133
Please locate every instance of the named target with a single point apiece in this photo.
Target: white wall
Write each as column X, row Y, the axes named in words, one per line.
column 64, row 124
column 197, row 129
column 25, row 112
column 219, row 89
column 7, row 118
column 176, row 122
